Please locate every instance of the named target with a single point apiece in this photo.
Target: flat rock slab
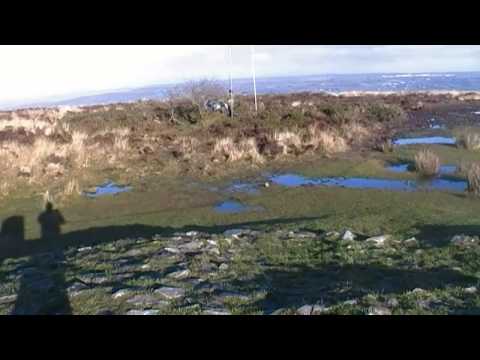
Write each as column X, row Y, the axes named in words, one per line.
column 143, row 312
column 181, row 274
column 146, row 300
column 216, row 312
column 170, row 293
column 8, row 299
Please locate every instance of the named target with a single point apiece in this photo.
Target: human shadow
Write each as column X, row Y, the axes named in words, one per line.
column 12, row 235
column 42, row 285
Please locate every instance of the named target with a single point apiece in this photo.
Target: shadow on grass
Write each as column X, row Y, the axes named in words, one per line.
column 441, row 235
column 43, row 289
column 333, row 284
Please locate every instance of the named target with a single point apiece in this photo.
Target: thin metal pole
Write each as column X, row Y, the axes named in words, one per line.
column 252, row 50
column 231, row 81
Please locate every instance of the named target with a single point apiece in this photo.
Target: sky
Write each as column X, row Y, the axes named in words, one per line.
column 37, row 72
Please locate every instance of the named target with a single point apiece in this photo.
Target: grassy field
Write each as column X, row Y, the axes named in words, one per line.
column 278, row 270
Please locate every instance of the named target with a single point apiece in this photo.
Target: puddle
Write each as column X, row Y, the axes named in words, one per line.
column 234, row 207
column 294, row 180
column 403, row 168
column 425, row 140
column 108, row 188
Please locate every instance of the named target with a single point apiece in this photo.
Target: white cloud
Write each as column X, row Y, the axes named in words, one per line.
column 32, row 72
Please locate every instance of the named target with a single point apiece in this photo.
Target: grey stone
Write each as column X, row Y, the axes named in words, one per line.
column 8, row 299
column 216, row 312
column 348, row 236
column 379, row 310
column 121, row 293
column 172, row 250
column 143, row 312
column 470, row 290
column 223, row 267
column 181, row 274
column 379, row 240
column 319, row 309
column 305, row 310
column 236, row 233
column 192, row 233
column 134, row 252
column 191, row 246
column 351, row 302
column 412, row 242
column 84, row 249
column 170, row 293
column 146, row 300
column 462, row 240
column 76, row 288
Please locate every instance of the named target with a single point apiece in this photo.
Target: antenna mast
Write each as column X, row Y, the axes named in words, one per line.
column 231, row 81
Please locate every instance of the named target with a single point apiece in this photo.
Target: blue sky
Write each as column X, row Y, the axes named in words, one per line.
column 41, row 72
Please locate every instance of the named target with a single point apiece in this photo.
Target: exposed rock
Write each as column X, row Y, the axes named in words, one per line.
column 133, row 253
column 170, row 293
column 462, row 240
column 146, row 300
column 378, row 240
column 191, row 246
column 192, row 233
column 379, row 310
column 351, row 302
column 412, row 242
column 305, row 310
column 223, row 267
column 296, row 103
column 418, row 291
column 8, row 299
column 236, row 233
column 181, row 274
column 348, row 236
column 84, row 249
column 172, row 250
column 76, row 289
column 470, row 290
column 216, row 312
column 121, row 293
column 143, row 312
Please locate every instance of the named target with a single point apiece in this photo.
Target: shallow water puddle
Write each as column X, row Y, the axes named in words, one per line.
column 107, row 188
column 403, row 168
column 233, row 207
column 294, row 180
column 425, row 140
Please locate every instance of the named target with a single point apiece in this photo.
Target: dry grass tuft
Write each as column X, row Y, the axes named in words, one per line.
column 427, row 163
column 232, row 152
column 469, row 141
column 288, row 140
column 473, row 179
